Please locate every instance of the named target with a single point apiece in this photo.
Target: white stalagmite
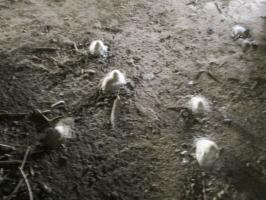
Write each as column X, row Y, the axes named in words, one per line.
column 112, row 81
column 207, row 152
column 58, row 135
column 64, row 128
column 199, row 104
column 97, row 48
column 239, row 32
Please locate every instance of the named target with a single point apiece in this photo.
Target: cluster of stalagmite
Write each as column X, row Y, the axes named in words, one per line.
column 206, row 150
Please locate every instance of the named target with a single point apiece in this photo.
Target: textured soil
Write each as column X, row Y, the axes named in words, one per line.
column 169, row 50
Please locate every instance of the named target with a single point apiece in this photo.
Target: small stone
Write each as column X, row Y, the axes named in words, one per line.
column 177, row 151
column 210, row 31
column 191, row 83
column 227, row 121
column 32, row 173
column 67, row 42
column 91, row 71
column 183, row 153
column 53, row 40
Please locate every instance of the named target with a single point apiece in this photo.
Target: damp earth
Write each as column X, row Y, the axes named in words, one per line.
column 169, row 50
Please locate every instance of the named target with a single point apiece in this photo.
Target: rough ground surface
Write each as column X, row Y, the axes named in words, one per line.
column 161, row 45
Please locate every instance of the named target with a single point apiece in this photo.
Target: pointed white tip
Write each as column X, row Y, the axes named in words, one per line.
column 113, row 80
column 98, row 48
column 199, row 104
column 64, row 130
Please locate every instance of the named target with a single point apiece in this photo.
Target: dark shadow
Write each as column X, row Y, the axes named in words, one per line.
column 246, row 179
